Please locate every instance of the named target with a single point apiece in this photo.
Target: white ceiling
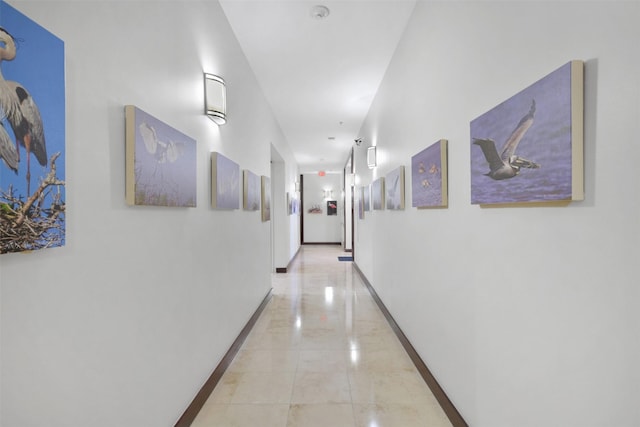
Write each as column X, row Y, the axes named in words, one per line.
column 319, row 75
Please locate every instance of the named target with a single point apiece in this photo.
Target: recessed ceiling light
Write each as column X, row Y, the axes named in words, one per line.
column 319, row 12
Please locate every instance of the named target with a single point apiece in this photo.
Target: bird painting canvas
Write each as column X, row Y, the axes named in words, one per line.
column 395, row 189
column 160, row 162
column 429, row 176
column 265, row 198
column 530, row 147
column 32, row 135
column 251, row 194
column 332, row 207
column 225, row 182
column 377, row 194
column 367, row 198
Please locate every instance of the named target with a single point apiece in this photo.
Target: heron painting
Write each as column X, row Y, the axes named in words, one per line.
column 395, row 189
column 160, row 162
column 32, row 135
column 225, row 182
column 429, row 176
column 530, row 147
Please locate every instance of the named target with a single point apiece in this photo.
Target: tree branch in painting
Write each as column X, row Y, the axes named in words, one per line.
column 35, row 223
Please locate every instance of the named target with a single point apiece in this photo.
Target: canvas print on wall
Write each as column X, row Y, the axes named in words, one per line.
column 266, row 198
column 296, row 206
column 32, row 135
column 361, row 202
column 394, row 183
column 429, row 176
column 251, row 194
column 225, row 182
column 160, row 162
column 367, row 197
column 332, row 207
column 530, row 147
column 377, row 194
column 315, row 209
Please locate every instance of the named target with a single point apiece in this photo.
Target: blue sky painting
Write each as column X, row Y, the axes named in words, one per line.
column 35, row 74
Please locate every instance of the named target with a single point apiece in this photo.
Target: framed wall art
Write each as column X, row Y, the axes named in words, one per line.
column 429, row 176
column 225, row 182
column 367, row 197
column 394, row 183
column 377, row 194
column 360, row 201
column 251, row 193
column 315, row 209
column 530, row 147
column 332, row 207
column 32, row 135
column 160, row 162
column 265, row 192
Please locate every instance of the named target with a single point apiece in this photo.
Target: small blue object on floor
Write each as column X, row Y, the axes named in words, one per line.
column 345, row 258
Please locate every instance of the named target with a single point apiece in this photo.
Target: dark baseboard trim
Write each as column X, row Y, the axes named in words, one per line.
column 448, row 408
column 284, row 269
column 322, row 243
column 198, row 402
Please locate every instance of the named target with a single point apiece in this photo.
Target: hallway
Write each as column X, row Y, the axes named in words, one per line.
column 321, row 355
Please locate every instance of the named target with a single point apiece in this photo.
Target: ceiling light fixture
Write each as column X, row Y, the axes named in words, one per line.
column 319, row 12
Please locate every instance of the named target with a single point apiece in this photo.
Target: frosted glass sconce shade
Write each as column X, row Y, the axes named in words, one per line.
column 215, row 98
column 372, row 160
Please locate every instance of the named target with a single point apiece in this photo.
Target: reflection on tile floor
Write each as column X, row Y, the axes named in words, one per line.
column 321, row 354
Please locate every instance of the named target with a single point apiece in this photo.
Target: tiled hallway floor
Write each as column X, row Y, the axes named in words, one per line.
column 321, row 355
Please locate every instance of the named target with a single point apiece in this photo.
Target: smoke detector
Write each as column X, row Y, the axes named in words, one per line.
column 319, row 12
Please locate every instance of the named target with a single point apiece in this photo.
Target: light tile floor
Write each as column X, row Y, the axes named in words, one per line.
column 321, row 355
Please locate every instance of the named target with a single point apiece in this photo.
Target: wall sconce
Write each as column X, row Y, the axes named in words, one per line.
column 372, row 160
column 215, row 98
column 351, row 179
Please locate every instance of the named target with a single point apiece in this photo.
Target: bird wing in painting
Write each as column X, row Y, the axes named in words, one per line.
column 162, row 151
column 506, row 164
column 8, row 152
column 21, row 111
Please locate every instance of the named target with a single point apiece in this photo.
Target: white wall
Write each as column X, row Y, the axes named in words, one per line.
column 322, row 228
column 526, row 316
column 286, row 228
column 123, row 325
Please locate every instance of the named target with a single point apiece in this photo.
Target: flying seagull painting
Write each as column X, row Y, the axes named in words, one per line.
column 529, row 148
